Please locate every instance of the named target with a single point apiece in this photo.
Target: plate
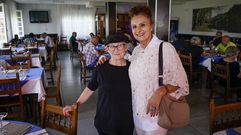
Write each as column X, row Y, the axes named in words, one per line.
column 12, row 71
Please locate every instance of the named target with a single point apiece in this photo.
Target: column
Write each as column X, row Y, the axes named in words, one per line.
column 111, row 21
column 161, row 15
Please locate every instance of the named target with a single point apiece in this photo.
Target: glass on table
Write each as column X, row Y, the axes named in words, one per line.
column 2, row 116
column 2, row 68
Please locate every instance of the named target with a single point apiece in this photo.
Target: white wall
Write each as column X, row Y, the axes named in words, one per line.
column 54, row 20
column 184, row 14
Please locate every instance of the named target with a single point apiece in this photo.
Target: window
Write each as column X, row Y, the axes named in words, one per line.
column 20, row 23
column 3, row 34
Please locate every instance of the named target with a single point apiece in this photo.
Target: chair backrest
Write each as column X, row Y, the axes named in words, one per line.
column 52, row 57
column 82, row 63
column 6, row 44
column 33, row 50
column 58, row 95
column 52, row 116
column 186, row 59
column 15, row 61
column 224, row 116
column 11, row 86
column 221, row 71
column 5, row 51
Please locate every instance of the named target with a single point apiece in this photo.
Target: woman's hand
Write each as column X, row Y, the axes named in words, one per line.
column 153, row 105
column 102, row 60
column 67, row 110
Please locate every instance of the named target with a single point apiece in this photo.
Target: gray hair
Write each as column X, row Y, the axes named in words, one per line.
column 231, row 51
column 195, row 41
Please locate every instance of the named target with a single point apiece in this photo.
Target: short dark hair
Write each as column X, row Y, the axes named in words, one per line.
column 141, row 10
column 31, row 35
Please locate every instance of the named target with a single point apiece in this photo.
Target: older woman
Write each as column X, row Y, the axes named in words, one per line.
column 114, row 108
column 231, row 55
column 143, row 72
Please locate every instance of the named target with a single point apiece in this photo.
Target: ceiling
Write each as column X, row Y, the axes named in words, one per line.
column 90, row 3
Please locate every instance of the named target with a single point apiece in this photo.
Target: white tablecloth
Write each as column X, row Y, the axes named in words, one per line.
column 36, row 86
column 36, row 60
column 35, row 82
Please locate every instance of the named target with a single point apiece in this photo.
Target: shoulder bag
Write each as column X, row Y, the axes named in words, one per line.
column 173, row 113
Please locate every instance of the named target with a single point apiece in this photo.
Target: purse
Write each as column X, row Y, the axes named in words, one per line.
column 173, row 113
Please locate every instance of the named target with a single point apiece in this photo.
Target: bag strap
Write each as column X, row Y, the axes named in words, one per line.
column 160, row 65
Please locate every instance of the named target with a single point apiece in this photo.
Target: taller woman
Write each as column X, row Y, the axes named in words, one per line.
column 143, row 72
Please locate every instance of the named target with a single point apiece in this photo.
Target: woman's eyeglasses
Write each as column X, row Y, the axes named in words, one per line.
column 119, row 47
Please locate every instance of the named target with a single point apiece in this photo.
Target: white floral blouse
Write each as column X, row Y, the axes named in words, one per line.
column 144, row 71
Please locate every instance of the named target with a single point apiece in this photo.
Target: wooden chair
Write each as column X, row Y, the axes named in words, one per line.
column 33, row 50
column 52, row 116
column 222, row 71
column 186, row 60
column 224, row 116
column 73, row 54
column 54, row 91
column 6, row 44
column 83, row 69
column 49, row 66
column 15, row 61
column 11, row 96
column 63, row 42
column 5, row 51
column 56, row 45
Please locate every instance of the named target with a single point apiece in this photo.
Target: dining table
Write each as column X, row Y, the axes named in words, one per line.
column 207, row 60
column 31, row 129
column 41, row 49
column 36, row 62
column 33, row 81
column 229, row 131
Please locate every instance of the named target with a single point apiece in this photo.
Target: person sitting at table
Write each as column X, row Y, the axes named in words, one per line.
column 89, row 51
column 179, row 43
column 114, row 104
column 16, row 41
column 217, row 39
column 231, row 55
column 226, row 43
column 100, row 52
column 48, row 41
column 73, row 42
column 30, row 40
column 196, row 50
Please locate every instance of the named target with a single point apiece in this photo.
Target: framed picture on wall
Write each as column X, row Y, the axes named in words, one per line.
column 222, row 18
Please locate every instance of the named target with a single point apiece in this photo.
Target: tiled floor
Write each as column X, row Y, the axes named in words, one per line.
column 71, row 89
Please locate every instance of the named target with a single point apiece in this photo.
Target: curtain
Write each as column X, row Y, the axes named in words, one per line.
column 77, row 19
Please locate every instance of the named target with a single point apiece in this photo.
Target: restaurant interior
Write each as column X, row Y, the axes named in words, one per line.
column 44, row 65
